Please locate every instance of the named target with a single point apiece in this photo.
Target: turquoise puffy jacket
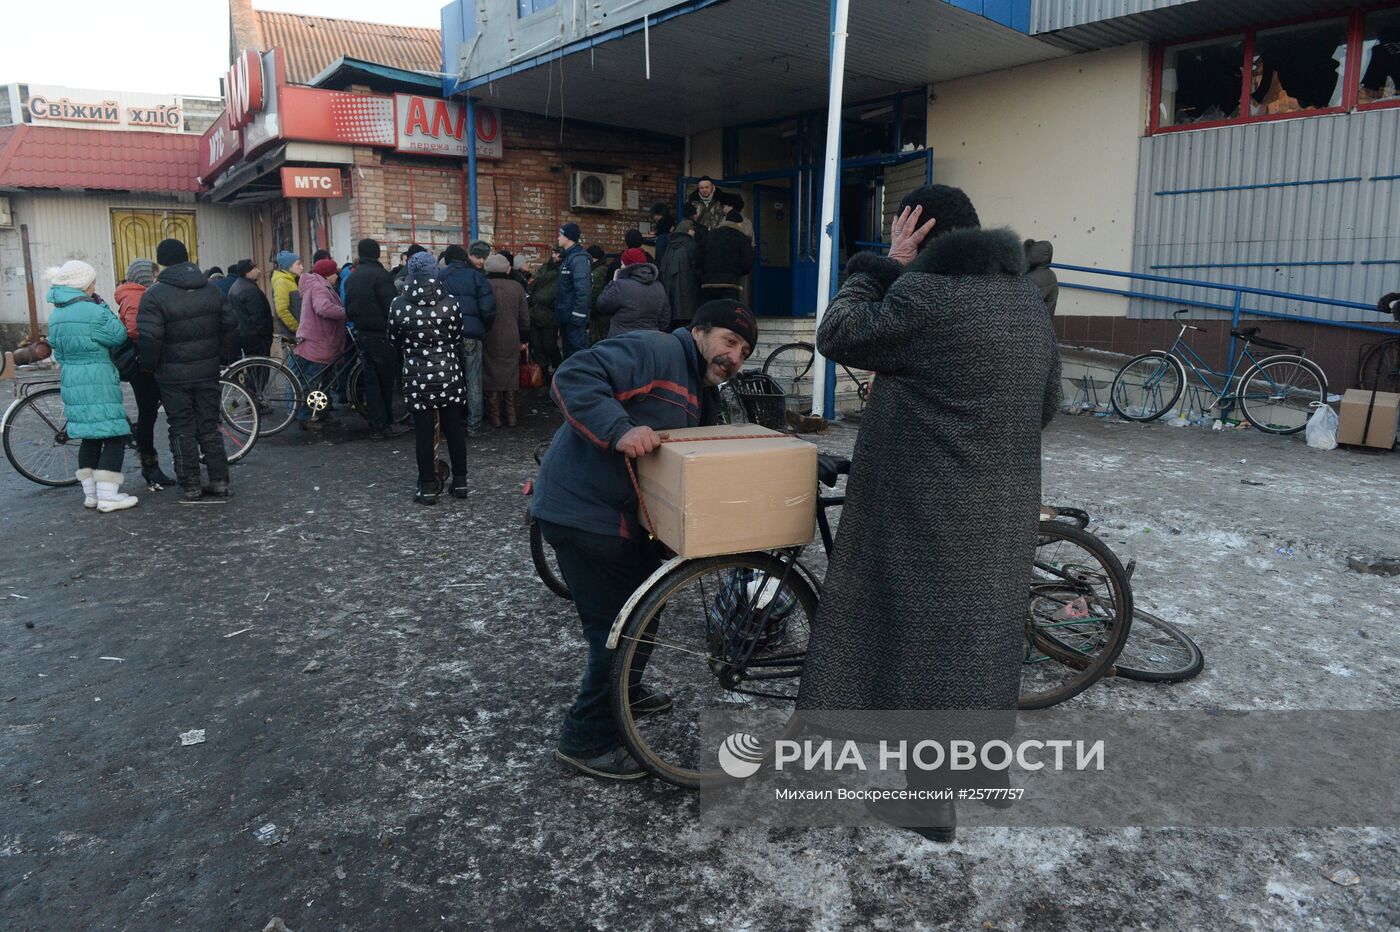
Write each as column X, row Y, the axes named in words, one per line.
column 81, row 332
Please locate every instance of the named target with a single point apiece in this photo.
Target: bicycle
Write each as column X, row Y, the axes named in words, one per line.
column 737, row 628
column 791, row 363
column 541, row 554
column 280, row 390
column 1379, row 367
column 1275, row 393
column 37, row 444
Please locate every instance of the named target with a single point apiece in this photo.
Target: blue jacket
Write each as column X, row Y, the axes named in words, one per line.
column 474, row 296
column 574, row 299
column 639, row 379
column 81, row 332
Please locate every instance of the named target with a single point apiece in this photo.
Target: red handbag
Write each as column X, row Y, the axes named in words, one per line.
column 531, row 376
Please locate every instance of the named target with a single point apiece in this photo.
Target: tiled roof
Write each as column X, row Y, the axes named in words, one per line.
column 310, row 43
column 106, row 160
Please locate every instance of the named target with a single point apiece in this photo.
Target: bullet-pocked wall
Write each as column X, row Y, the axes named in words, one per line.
column 523, row 197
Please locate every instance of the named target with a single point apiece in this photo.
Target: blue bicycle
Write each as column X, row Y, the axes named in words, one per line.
column 1276, row 393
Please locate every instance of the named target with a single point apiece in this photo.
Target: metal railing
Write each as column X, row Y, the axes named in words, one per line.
column 1236, row 308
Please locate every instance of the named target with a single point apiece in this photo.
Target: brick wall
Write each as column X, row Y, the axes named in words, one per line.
column 522, row 199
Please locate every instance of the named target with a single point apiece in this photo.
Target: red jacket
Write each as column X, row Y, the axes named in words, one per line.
column 128, row 295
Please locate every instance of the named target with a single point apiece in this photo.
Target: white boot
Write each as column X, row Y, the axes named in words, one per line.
column 89, row 488
column 110, row 496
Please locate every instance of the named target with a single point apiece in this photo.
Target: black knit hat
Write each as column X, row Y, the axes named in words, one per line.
column 368, row 249
column 950, row 206
column 596, row 252
column 723, row 312
column 171, row 252
column 453, row 253
column 633, row 238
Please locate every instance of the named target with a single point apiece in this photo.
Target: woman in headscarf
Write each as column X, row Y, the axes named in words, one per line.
column 426, row 326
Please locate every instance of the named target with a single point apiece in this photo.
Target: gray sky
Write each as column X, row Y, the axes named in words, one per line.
column 158, row 47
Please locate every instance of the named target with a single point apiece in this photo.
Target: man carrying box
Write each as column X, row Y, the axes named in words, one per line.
column 614, row 398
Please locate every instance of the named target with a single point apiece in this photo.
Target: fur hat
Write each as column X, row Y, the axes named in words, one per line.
column 141, row 272
column 75, row 273
column 479, row 249
column 171, row 252
column 950, row 206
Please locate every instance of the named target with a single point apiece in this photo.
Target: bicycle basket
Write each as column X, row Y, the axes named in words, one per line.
column 746, row 608
column 763, row 399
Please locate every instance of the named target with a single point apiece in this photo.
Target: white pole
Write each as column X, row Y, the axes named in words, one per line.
column 831, row 178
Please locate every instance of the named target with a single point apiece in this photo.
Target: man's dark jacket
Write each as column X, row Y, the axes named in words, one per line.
column 574, row 299
column 185, row 327
column 253, row 312
column 368, row 293
column 474, row 296
column 726, row 256
column 640, row 379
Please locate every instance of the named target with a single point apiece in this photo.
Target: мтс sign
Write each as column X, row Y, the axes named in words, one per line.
column 311, row 182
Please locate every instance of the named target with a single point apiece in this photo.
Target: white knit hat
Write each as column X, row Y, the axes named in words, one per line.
column 75, row 273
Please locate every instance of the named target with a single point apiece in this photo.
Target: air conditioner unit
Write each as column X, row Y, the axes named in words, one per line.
column 595, row 191
column 7, row 215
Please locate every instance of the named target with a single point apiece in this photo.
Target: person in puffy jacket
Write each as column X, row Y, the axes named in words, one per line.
column 320, row 333
column 251, row 307
column 369, row 293
column 636, row 299
column 187, row 328
column 463, row 279
column 501, row 354
column 286, row 301
column 1039, row 254
column 544, row 332
column 83, row 331
column 425, row 323
column 140, row 275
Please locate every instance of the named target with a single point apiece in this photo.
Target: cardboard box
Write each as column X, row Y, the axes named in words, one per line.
column 1384, row 418
column 709, row 497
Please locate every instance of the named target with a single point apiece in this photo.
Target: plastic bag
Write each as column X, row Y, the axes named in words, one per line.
column 1322, row 428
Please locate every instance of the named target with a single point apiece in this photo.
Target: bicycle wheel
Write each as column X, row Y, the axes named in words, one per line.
column 733, row 640
column 239, row 421
column 36, row 439
column 1158, row 652
column 273, row 386
column 1276, row 395
column 1080, row 612
column 1147, row 386
column 545, row 563
column 355, row 390
column 791, row 366
column 1380, row 367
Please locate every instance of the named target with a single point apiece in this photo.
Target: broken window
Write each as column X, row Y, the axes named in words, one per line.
column 1380, row 57
column 1298, row 68
column 1201, row 82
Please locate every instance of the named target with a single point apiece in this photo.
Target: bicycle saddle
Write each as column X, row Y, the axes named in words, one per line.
column 1251, row 335
column 831, row 468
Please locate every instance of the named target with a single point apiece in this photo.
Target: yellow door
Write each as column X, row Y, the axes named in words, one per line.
column 136, row 231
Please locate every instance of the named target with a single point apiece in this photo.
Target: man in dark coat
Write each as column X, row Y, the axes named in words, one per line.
column 726, row 258
column 679, row 269
column 369, row 291
column 574, row 295
column 662, row 226
column 251, row 307
column 463, row 278
column 924, row 604
column 635, row 300
column 1039, row 255
column 614, row 398
column 185, row 329
column 544, row 332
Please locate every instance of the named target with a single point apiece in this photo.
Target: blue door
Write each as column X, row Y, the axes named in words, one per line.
column 773, row 251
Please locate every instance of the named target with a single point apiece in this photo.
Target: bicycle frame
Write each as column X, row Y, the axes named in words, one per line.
column 1193, row 360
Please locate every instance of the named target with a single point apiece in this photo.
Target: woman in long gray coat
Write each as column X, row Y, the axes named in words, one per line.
column 924, row 604
column 500, row 353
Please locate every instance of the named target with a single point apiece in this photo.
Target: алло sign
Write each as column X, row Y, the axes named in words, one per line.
column 432, row 126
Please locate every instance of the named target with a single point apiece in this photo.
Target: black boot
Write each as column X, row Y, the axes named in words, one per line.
column 459, row 487
column 427, row 493
column 936, row 820
column 150, row 471
column 217, row 488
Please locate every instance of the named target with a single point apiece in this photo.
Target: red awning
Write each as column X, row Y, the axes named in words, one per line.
column 104, row 160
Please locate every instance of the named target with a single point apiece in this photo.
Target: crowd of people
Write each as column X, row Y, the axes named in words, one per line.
column 447, row 334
